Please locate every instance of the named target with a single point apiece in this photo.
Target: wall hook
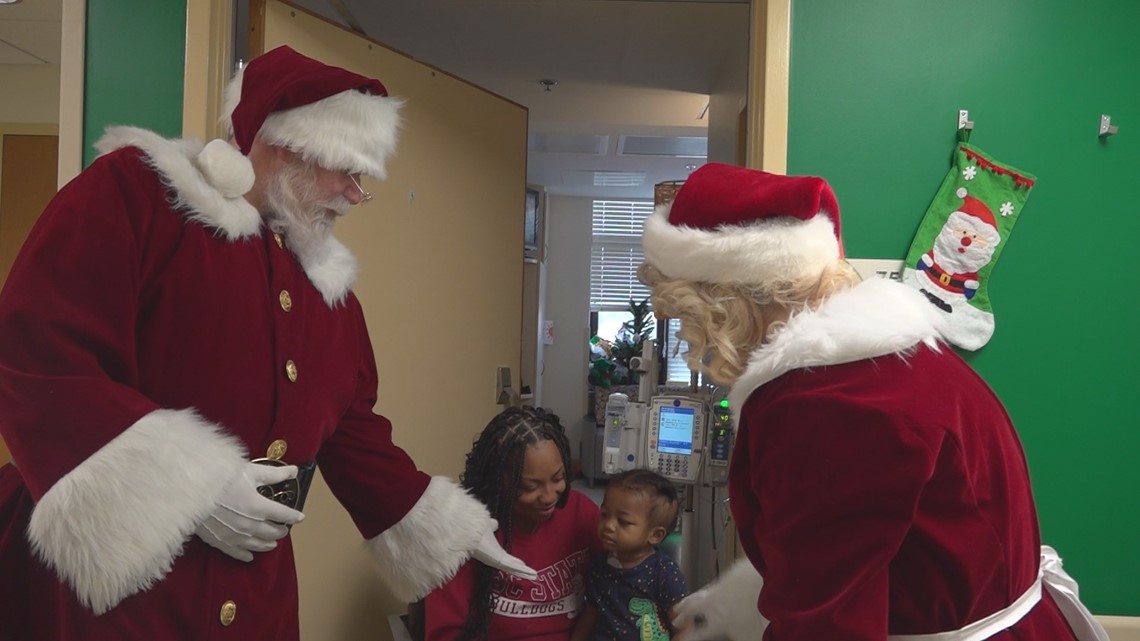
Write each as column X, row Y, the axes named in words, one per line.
column 1106, row 126
column 964, row 121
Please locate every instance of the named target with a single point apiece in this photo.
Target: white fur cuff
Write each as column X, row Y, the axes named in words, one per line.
column 431, row 542
column 740, row 589
column 115, row 524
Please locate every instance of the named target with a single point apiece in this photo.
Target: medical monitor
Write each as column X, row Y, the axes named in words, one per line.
column 676, row 436
column 676, row 432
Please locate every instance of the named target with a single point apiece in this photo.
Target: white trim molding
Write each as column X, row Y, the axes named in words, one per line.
column 72, row 61
column 1121, row 628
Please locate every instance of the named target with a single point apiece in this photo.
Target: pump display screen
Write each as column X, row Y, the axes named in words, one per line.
column 676, row 430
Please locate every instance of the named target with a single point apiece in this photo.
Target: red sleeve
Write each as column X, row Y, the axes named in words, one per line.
column 376, row 481
column 69, row 375
column 445, row 609
column 835, row 485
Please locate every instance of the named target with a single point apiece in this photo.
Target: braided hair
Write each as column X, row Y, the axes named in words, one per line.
column 493, row 474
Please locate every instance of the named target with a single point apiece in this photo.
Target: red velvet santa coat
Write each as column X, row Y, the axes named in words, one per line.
column 143, row 362
column 878, row 484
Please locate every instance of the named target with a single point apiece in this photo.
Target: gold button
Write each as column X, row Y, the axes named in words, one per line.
column 291, row 371
column 276, row 449
column 286, row 300
column 229, row 611
column 280, row 241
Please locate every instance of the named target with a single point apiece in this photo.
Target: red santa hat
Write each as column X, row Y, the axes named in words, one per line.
column 978, row 215
column 735, row 225
column 331, row 116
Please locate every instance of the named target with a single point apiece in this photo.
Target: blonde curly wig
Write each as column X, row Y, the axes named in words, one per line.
column 723, row 323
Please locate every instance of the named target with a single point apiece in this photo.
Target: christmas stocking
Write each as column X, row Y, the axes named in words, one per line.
column 960, row 238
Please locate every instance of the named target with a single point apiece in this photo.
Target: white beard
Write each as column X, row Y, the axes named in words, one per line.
column 296, row 213
column 953, row 261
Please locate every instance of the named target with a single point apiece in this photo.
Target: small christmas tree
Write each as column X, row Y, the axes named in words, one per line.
column 632, row 336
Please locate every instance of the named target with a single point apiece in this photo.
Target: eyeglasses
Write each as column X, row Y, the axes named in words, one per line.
column 364, row 195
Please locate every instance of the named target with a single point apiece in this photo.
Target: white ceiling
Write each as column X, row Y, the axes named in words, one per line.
column 29, row 32
column 623, row 68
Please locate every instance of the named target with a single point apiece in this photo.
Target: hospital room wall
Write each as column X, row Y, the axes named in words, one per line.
column 133, row 68
column 875, row 89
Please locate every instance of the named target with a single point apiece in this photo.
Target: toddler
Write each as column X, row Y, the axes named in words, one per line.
column 630, row 586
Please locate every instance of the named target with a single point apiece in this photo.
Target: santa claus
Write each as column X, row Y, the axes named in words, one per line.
column 181, row 346
column 878, row 487
column 965, row 244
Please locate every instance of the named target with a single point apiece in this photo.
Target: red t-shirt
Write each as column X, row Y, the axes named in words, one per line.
column 542, row 610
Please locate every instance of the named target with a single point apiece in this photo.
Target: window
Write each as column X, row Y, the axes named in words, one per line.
column 676, row 369
column 614, row 258
column 616, row 253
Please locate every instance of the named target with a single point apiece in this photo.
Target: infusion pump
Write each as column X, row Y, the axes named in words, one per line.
column 680, row 436
column 676, row 431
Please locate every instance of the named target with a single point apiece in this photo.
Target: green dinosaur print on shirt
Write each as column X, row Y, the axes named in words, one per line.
column 649, row 624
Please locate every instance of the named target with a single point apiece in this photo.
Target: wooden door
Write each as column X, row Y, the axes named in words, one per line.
column 27, row 183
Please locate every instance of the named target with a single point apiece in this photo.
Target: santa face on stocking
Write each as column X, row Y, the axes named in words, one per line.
column 966, row 244
column 953, row 253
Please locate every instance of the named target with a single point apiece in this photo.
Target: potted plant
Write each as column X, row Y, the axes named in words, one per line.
column 613, row 368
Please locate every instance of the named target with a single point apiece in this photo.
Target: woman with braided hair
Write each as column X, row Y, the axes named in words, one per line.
column 519, row 467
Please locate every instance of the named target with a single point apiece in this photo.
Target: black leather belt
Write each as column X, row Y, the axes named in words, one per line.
column 290, row 492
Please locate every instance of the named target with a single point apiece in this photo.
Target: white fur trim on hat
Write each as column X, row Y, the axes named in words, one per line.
column 114, row 525
column 349, row 131
column 767, row 251
column 973, row 223
column 431, row 542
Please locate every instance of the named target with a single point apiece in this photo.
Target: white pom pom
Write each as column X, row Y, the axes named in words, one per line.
column 961, row 193
column 224, row 167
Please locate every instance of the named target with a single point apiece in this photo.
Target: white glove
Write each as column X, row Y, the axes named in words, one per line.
column 724, row 608
column 244, row 521
column 489, row 551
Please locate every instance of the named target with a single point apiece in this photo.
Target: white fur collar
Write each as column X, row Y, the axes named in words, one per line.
column 193, row 194
column 332, row 271
column 875, row 318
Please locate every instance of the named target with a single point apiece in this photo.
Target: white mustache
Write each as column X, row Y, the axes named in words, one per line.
column 339, row 205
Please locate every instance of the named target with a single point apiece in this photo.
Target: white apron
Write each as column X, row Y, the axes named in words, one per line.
column 1060, row 585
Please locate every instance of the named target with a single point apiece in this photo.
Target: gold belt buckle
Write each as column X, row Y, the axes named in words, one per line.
column 944, row 278
column 287, row 492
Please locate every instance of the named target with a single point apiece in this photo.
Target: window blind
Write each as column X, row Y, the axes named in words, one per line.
column 676, row 369
column 616, row 253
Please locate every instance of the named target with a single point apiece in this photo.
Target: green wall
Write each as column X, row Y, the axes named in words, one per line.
column 135, row 58
column 876, row 86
